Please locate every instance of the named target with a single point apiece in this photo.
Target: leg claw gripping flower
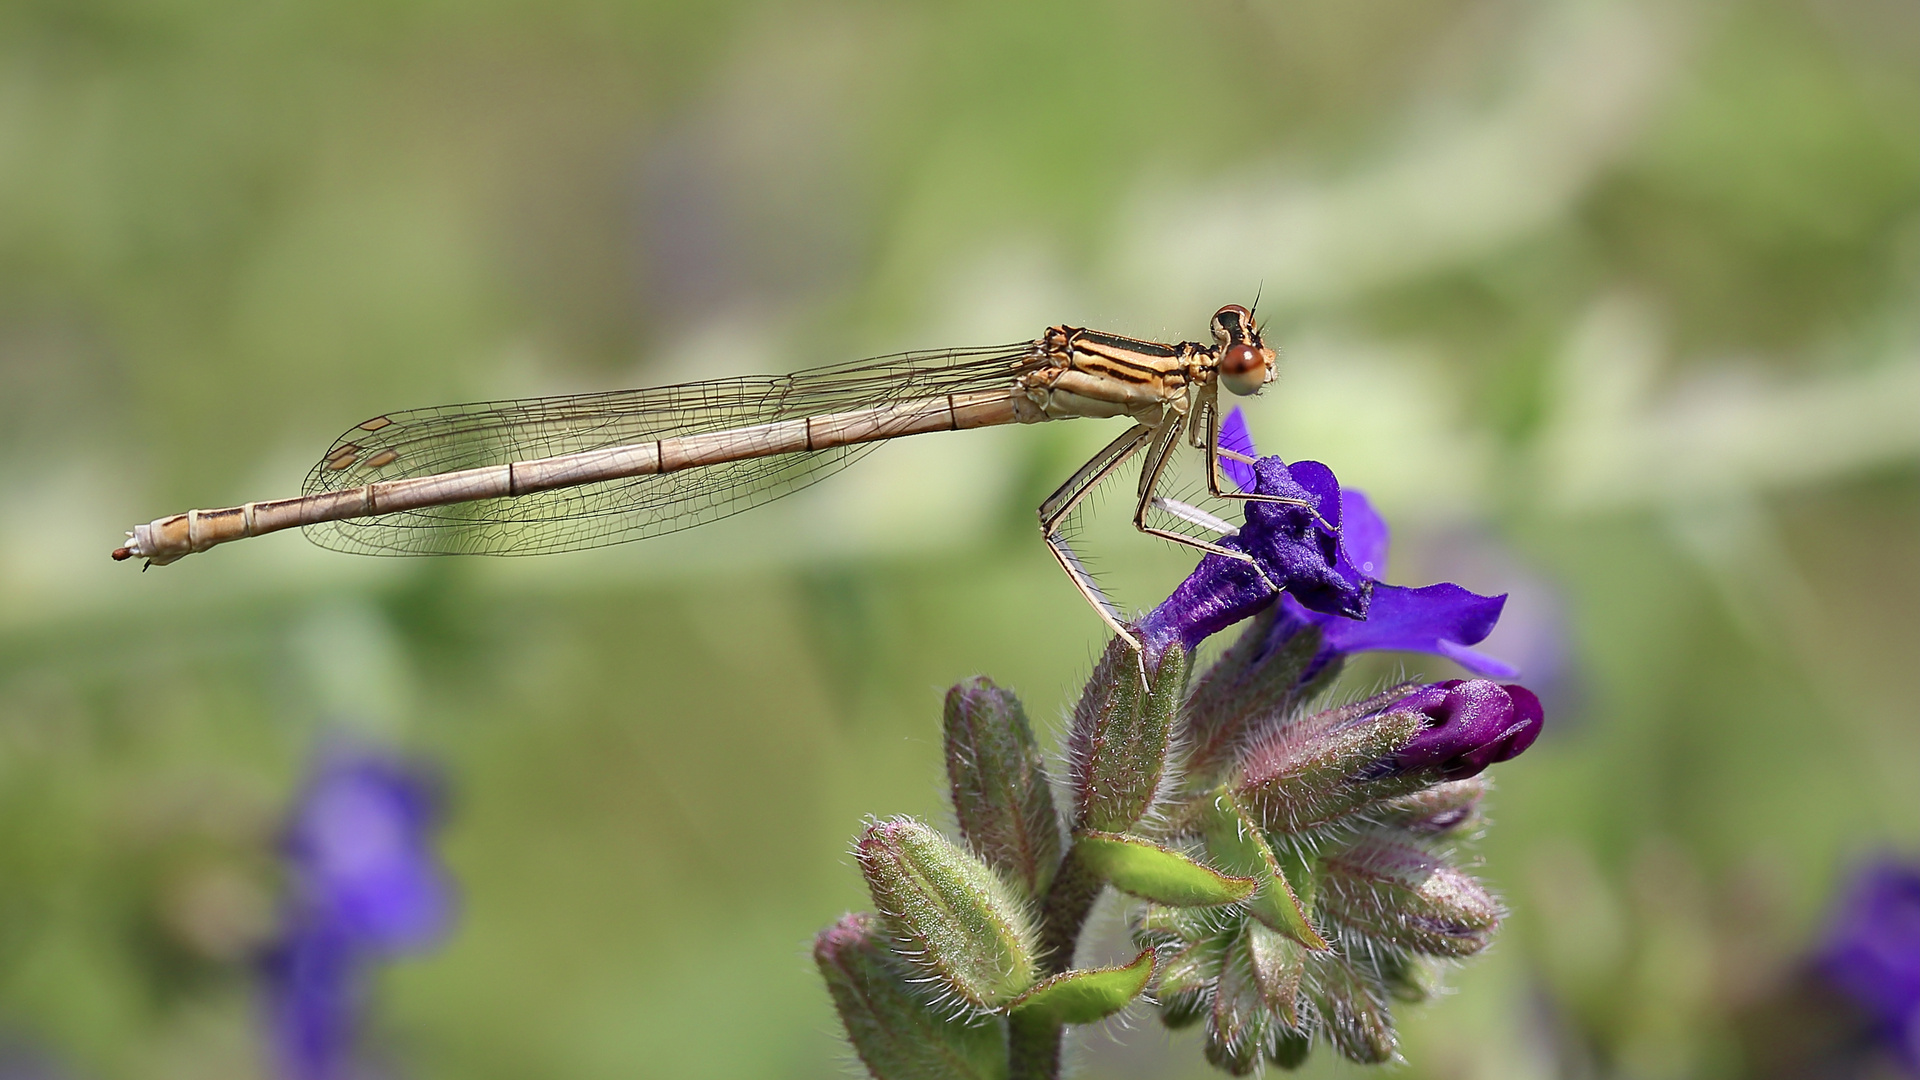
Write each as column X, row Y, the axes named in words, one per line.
column 1294, row 866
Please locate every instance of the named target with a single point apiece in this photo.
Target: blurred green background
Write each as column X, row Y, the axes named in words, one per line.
column 1612, row 305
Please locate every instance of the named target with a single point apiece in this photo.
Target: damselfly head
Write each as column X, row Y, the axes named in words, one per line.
column 1246, row 364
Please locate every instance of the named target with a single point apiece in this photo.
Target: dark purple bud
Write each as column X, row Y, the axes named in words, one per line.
column 1469, row 725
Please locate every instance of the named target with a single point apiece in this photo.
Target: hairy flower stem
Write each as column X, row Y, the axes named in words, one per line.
column 1064, row 912
column 1033, row 1047
column 1033, row 1042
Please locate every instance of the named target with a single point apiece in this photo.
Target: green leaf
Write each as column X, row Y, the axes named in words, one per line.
column 950, row 914
column 1235, row 841
column 896, row 1035
column 1089, row 996
column 1120, row 737
column 1001, row 795
column 1143, row 868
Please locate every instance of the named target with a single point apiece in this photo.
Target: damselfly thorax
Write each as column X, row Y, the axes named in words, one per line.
column 563, row 473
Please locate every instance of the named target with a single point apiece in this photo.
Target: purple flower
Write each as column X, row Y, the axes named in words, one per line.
column 1872, row 953
column 1291, row 552
column 363, row 884
column 1443, row 619
column 1470, row 724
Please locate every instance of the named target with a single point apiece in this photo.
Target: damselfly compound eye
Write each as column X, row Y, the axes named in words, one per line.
column 1245, row 368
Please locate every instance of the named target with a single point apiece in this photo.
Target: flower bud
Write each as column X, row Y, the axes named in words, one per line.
column 1000, row 791
column 950, row 914
column 1279, row 962
column 1308, row 772
column 1442, row 808
column 1256, row 680
column 1400, row 894
column 1468, row 725
column 896, row 1035
column 1352, row 1010
column 1118, row 745
column 1237, row 1026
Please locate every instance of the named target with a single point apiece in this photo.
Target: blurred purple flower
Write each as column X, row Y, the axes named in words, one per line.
column 1443, row 619
column 1471, row 723
column 363, row 884
column 1872, row 953
column 359, row 850
column 315, row 984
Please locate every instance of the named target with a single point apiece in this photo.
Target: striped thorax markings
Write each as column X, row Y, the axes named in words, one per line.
column 1103, row 375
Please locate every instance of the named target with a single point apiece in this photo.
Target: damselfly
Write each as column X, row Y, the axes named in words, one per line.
column 565, row 473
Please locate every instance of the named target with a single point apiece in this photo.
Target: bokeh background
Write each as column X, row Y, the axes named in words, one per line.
column 1611, row 305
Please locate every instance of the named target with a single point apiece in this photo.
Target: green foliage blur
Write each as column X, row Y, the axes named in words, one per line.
column 1609, row 304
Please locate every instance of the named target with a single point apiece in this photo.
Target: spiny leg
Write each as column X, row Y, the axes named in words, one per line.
column 1209, row 415
column 1062, row 502
column 1166, row 439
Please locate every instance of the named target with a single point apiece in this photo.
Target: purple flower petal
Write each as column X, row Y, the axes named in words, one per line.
column 1235, row 436
column 1290, row 550
column 1439, row 619
column 1363, row 534
column 363, row 883
column 1487, row 667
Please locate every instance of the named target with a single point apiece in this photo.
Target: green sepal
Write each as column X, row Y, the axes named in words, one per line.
column 1001, row 796
column 1235, row 841
column 1288, row 1047
column 949, row 913
column 1086, row 996
column 1143, row 868
column 897, row 1036
column 1117, row 748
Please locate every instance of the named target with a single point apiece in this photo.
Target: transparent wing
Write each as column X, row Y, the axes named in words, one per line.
column 424, row 442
